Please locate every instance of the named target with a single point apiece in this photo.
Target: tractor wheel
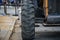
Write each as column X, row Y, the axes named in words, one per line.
column 28, row 20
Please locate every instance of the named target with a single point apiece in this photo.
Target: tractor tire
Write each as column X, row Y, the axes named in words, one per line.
column 28, row 20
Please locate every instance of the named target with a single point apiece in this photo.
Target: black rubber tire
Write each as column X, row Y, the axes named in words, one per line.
column 28, row 20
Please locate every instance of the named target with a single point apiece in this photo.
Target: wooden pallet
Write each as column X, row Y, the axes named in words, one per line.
column 7, row 26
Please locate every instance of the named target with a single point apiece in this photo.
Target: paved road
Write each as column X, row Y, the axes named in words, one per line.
column 47, row 36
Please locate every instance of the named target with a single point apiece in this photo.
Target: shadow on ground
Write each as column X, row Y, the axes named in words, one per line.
column 48, row 36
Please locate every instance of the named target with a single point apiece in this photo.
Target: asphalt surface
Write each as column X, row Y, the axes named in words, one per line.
column 48, row 36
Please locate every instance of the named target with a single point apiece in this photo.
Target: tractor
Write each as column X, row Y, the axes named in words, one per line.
column 45, row 12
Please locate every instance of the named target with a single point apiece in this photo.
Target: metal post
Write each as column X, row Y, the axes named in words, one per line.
column 5, row 9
